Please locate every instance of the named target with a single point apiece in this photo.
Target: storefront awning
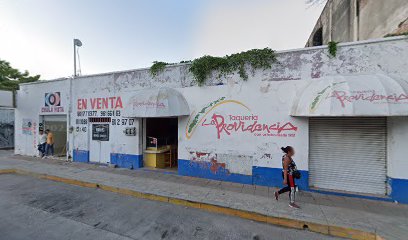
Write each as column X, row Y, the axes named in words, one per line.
column 352, row 95
column 156, row 102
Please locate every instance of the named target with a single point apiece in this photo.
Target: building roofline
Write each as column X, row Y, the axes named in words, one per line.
column 45, row 81
column 317, row 21
column 345, row 44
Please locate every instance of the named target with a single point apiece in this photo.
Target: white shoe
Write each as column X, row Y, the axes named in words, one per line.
column 294, row 205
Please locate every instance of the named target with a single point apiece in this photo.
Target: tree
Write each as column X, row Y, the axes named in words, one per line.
column 11, row 77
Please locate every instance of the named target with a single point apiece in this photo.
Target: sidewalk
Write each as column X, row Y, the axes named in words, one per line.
column 388, row 220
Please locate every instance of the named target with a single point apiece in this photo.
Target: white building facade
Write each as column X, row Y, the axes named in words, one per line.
column 346, row 116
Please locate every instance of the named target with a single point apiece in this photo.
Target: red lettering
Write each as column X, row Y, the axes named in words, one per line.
column 119, row 103
column 219, row 125
column 112, row 99
column 230, row 126
column 341, row 96
column 402, row 97
column 81, row 104
column 98, row 103
column 361, row 96
column 101, row 103
column 287, row 127
column 227, row 128
column 206, row 124
column 105, row 103
column 93, row 103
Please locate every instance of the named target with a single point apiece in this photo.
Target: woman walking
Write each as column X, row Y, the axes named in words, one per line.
column 288, row 172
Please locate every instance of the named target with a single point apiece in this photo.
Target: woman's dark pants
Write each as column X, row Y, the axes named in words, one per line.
column 289, row 188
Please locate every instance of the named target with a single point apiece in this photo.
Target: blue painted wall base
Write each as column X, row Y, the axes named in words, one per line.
column 211, row 171
column 272, row 177
column 399, row 189
column 126, row 160
column 80, row 156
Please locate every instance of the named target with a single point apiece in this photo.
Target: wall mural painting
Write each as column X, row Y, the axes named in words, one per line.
column 230, row 124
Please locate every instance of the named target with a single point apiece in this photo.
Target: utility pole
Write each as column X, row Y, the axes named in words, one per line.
column 77, row 43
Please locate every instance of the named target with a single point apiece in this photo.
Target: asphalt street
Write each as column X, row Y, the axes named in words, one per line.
column 33, row 209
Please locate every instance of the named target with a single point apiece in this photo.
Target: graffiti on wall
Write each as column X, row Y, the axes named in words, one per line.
column 228, row 124
column 6, row 135
column 6, row 128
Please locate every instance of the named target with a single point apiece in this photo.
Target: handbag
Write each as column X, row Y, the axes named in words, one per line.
column 296, row 174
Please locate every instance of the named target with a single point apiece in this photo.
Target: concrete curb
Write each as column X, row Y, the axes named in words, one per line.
column 335, row 231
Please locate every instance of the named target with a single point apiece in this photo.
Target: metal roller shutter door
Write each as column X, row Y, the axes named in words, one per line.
column 348, row 154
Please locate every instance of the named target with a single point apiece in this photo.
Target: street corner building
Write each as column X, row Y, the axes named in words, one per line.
column 6, row 120
column 346, row 116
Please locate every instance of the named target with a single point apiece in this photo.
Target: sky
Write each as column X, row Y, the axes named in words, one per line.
column 37, row 35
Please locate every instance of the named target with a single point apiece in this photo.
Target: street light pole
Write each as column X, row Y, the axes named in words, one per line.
column 74, row 59
column 70, row 136
column 77, row 43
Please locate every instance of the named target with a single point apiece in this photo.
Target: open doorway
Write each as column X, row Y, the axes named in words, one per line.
column 57, row 125
column 161, row 140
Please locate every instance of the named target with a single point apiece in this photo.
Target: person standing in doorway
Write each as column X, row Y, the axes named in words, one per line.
column 49, row 147
column 42, row 141
column 289, row 168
